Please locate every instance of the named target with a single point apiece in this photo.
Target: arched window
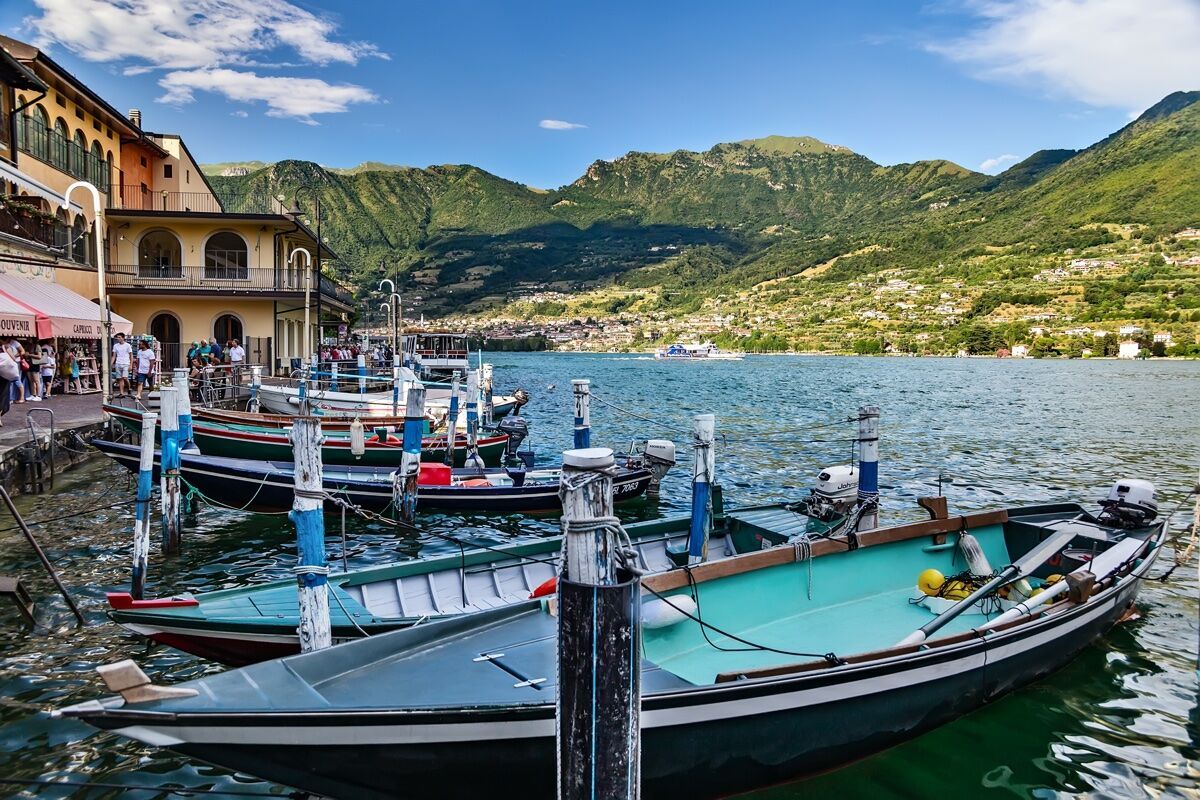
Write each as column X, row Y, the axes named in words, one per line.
column 226, row 257
column 165, row 328
column 98, row 178
column 78, row 151
column 160, row 255
column 39, row 134
column 62, row 232
column 227, row 327
column 60, row 142
column 81, row 250
column 111, row 173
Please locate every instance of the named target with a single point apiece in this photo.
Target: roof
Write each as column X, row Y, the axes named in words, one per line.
column 18, row 75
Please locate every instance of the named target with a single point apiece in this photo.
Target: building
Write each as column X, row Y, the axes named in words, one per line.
column 1165, row 338
column 1020, row 351
column 182, row 263
column 1129, row 349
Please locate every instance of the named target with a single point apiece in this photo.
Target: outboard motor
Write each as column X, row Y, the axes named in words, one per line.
column 520, row 398
column 1131, row 503
column 658, row 456
column 517, row 430
column 835, row 494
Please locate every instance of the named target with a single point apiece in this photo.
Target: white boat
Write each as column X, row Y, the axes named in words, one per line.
column 695, row 352
column 282, row 399
column 438, row 354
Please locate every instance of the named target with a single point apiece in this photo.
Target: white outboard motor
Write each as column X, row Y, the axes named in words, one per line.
column 835, row 494
column 659, row 457
column 1131, row 502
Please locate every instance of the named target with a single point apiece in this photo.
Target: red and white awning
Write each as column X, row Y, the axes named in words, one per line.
column 58, row 312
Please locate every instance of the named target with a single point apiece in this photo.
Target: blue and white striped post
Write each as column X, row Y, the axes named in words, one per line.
column 583, row 413
column 333, row 376
column 172, row 441
column 307, row 514
column 473, row 458
column 704, row 462
column 410, row 459
column 395, row 386
column 452, row 419
column 362, row 373
column 141, row 525
column 255, row 386
column 868, row 467
column 485, row 388
column 180, row 380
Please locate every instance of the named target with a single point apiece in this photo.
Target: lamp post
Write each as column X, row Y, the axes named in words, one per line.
column 105, row 316
column 307, row 292
column 296, row 213
column 397, row 309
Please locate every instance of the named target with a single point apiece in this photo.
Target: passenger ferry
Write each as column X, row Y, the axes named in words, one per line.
column 689, row 352
column 437, row 355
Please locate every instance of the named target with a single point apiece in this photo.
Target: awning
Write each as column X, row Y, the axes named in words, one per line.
column 16, row 321
column 60, row 312
column 10, row 173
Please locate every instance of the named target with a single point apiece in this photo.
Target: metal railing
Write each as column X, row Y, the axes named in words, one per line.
column 226, row 277
column 139, row 197
column 61, row 153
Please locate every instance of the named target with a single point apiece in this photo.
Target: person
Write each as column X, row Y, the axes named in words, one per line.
column 216, row 352
column 16, row 352
column 31, row 365
column 49, row 362
column 191, row 353
column 237, row 359
column 122, row 352
column 146, row 362
column 9, row 373
column 73, row 367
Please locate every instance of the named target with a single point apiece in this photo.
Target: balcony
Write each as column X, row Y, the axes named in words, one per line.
column 138, row 197
column 222, row 278
column 49, row 146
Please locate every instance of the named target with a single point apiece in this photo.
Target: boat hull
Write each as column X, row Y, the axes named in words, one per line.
column 696, row 743
column 286, row 400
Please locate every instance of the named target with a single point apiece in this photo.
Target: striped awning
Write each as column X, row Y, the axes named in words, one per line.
column 58, row 311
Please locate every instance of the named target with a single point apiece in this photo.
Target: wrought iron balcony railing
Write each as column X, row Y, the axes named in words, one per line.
column 61, row 153
column 229, row 278
column 137, row 197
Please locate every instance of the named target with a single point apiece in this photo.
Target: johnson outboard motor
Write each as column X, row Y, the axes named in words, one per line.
column 835, row 494
column 517, row 430
column 1131, row 503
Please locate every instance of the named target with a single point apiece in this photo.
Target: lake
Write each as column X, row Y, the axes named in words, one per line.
column 1121, row 721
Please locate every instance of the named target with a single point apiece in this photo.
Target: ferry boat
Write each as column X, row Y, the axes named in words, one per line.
column 437, row 355
column 694, row 352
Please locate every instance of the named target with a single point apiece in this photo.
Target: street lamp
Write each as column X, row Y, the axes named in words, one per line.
column 307, row 292
column 296, row 212
column 397, row 313
column 105, row 316
column 389, row 317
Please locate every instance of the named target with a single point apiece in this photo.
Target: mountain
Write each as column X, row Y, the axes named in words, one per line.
column 683, row 229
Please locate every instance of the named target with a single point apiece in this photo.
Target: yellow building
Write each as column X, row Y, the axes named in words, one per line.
column 182, row 264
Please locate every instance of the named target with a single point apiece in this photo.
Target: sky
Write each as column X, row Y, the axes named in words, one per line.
column 535, row 91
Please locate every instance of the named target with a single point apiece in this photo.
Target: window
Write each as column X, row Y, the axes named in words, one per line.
column 167, row 170
column 143, row 161
column 62, row 101
column 59, row 144
column 98, row 176
column 227, row 327
column 160, row 255
column 187, row 176
column 62, row 233
column 76, row 154
column 225, row 257
column 78, row 112
column 81, row 250
column 96, row 125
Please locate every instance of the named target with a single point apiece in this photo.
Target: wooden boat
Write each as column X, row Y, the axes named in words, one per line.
column 330, row 421
column 281, row 399
column 438, row 704
column 272, row 444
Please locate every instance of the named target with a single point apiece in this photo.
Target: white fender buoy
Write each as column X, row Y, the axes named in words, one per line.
column 973, row 552
column 665, row 612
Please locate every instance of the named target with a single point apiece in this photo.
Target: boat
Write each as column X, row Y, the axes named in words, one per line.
column 330, row 421
column 283, row 399
column 823, row 672
column 695, row 352
column 382, row 446
column 438, row 354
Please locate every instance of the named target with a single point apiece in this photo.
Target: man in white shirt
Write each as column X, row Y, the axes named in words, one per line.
column 145, row 366
column 122, row 352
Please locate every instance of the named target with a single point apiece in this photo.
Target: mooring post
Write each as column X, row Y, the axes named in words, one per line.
column 485, row 388
column 180, row 380
column 333, row 376
column 308, row 516
column 172, row 440
column 362, row 373
column 395, row 386
column 141, row 524
column 410, row 459
column 868, row 467
column 703, row 465
column 255, row 385
column 452, row 419
column 473, row 458
column 583, row 413
column 599, row 640
column 302, row 389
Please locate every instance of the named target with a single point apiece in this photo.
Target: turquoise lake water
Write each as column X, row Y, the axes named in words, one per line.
column 1123, row 720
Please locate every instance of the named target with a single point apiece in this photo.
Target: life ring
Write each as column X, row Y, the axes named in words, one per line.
column 389, row 440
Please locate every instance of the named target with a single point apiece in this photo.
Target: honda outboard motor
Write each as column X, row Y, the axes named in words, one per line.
column 1131, row 503
column 658, row 456
column 835, row 494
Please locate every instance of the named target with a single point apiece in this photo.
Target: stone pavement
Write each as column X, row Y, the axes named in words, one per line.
column 70, row 411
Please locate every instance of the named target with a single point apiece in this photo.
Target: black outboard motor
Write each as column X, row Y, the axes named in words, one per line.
column 517, row 430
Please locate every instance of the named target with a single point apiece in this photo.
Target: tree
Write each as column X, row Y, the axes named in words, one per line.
column 868, row 347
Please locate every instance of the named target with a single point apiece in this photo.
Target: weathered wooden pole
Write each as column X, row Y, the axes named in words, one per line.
column 868, row 467
column 141, row 525
column 308, row 516
column 172, row 442
column 485, row 388
column 703, row 465
column 180, row 380
column 599, row 640
column 362, row 373
column 255, row 385
column 473, row 458
column 410, row 459
column 395, row 386
column 302, row 389
column 452, row 419
column 583, row 413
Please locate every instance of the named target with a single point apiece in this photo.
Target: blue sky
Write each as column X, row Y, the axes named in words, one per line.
column 535, row 91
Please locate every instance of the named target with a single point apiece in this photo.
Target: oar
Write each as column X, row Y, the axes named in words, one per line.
column 1101, row 566
column 1031, row 561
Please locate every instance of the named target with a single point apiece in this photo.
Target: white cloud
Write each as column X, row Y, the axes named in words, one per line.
column 559, row 125
column 198, row 40
column 1113, row 53
column 298, row 98
column 994, row 165
column 239, row 114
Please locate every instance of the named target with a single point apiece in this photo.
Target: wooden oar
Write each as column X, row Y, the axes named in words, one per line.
column 1018, row 569
column 1101, row 566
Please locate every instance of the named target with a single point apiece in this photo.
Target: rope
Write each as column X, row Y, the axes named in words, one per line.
column 802, row 549
column 195, row 492
column 1184, row 555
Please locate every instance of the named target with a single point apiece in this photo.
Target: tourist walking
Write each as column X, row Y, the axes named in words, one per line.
column 122, row 353
column 49, row 366
column 9, row 373
column 146, row 362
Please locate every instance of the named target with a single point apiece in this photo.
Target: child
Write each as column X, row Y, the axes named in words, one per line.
column 49, row 359
column 73, row 365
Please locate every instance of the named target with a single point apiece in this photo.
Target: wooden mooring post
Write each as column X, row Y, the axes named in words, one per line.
column 599, row 640
column 486, row 378
column 180, row 382
column 703, row 465
column 255, row 387
column 404, row 489
column 582, row 390
column 362, row 374
column 395, row 385
column 868, row 467
column 141, row 521
column 172, row 442
column 307, row 514
column 452, row 419
column 473, row 459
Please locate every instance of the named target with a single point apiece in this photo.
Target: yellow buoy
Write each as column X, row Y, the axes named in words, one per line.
column 956, row 590
column 930, row 581
column 1052, row 579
